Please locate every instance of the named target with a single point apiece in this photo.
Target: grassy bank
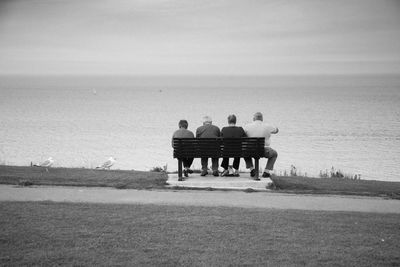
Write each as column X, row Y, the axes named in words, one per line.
column 26, row 176
column 299, row 184
column 81, row 177
column 45, row 233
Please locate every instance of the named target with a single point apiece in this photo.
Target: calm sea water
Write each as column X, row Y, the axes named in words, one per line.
column 351, row 123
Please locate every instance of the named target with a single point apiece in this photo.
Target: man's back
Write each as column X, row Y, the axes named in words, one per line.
column 260, row 129
column 232, row 132
column 207, row 131
column 183, row 133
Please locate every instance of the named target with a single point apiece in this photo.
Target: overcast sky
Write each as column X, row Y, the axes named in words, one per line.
column 199, row 37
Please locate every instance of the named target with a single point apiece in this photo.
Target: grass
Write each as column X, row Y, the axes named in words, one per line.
column 337, row 186
column 26, row 176
column 46, row 233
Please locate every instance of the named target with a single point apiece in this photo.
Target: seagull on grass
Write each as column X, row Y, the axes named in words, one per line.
column 107, row 165
column 46, row 164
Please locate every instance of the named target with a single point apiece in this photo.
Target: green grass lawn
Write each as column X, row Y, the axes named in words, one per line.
column 300, row 184
column 81, row 177
column 46, row 233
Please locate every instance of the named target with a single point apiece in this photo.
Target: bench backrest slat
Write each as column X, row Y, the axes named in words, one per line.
column 218, row 147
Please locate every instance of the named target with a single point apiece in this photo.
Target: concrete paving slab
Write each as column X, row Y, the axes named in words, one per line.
column 228, row 183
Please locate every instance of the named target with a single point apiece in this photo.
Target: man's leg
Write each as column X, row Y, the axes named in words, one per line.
column 184, row 161
column 215, row 166
column 271, row 155
column 249, row 165
column 187, row 162
column 190, row 162
column 204, row 166
column 225, row 163
column 186, row 166
column 236, row 162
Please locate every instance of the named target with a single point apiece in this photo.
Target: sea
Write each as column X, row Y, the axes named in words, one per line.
column 348, row 122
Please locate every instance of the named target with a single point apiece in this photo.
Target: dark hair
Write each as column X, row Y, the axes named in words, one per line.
column 183, row 123
column 232, row 119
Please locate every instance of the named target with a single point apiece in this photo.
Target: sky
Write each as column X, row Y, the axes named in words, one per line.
column 192, row 37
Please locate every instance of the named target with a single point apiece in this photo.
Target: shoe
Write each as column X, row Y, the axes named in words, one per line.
column 203, row 173
column 225, row 173
column 253, row 172
column 215, row 173
column 236, row 173
column 180, row 179
column 256, row 179
column 266, row 175
column 185, row 173
column 190, row 171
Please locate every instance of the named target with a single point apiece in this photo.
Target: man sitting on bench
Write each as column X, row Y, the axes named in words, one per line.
column 208, row 130
column 258, row 128
column 183, row 132
column 231, row 131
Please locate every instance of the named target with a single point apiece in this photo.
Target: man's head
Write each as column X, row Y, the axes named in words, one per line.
column 232, row 119
column 207, row 120
column 183, row 124
column 258, row 116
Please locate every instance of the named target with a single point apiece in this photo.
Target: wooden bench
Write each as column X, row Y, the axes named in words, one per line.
column 246, row 147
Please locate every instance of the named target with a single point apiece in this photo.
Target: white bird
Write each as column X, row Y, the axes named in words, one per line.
column 107, row 165
column 46, row 164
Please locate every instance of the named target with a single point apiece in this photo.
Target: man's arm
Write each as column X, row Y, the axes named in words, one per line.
column 243, row 132
column 197, row 132
column 276, row 130
column 172, row 141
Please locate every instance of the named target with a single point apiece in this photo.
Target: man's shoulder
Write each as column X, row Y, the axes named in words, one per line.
column 249, row 125
column 200, row 127
column 214, row 126
column 183, row 133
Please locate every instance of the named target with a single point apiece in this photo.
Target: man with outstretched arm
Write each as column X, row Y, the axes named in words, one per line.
column 258, row 128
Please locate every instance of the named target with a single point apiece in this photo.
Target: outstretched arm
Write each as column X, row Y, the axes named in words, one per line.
column 276, row 130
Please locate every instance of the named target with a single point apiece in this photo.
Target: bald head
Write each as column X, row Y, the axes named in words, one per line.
column 258, row 116
column 207, row 120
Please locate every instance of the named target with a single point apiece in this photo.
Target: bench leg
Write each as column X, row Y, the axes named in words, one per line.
column 256, row 166
column 179, row 168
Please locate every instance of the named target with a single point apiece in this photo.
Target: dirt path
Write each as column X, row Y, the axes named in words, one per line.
column 200, row 198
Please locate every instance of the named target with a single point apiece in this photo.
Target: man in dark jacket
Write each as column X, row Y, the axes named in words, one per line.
column 231, row 131
column 183, row 132
column 208, row 131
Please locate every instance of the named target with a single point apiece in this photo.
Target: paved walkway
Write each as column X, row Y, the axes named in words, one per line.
column 232, row 183
column 262, row 200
